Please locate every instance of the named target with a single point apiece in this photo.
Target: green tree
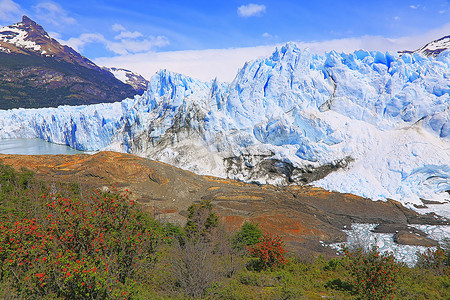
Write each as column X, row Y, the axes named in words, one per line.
column 202, row 221
column 248, row 235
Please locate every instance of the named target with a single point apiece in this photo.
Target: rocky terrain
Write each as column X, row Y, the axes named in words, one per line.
column 37, row 71
column 303, row 215
column 433, row 48
column 134, row 79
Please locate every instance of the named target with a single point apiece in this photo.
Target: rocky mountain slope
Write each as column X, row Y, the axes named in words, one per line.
column 369, row 123
column 433, row 48
column 304, row 216
column 136, row 80
column 37, row 71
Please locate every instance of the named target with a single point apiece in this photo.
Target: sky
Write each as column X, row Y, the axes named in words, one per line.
column 209, row 39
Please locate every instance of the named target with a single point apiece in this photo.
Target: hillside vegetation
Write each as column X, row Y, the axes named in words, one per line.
column 31, row 81
column 61, row 241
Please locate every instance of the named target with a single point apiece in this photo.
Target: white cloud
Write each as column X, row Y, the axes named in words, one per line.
column 251, row 10
column 118, row 27
column 269, row 36
column 200, row 64
column 127, row 46
column 396, row 18
column 53, row 13
column 224, row 63
column 10, row 11
column 133, row 42
column 128, row 35
column 55, row 35
column 78, row 43
column 414, row 6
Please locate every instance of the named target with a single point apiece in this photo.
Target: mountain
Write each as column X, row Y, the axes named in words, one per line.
column 369, row 123
column 37, row 71
column 136, row 80
column 433, row 48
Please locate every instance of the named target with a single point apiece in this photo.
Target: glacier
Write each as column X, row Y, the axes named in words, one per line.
column 369, row 123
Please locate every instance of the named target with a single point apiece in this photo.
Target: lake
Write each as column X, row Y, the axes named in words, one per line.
column 34, row 147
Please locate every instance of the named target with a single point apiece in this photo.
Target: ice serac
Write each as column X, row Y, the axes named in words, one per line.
column 370, row 123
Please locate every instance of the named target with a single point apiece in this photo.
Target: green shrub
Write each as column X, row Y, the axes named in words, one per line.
column 333, row 264
column 339, row 284
column 436, row 260
column 201, row 220
column 248, row 235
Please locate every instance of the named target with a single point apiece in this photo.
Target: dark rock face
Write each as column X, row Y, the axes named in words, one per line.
column 406, row 235
column 395, row 228
column 264, row 166
column 48, row 74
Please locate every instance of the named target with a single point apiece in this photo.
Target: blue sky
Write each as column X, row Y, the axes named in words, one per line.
column 211, row 38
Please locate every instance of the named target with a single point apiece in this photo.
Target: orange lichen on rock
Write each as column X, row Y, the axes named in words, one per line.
column 238, row 197
column 285, row 225
column 232, row 223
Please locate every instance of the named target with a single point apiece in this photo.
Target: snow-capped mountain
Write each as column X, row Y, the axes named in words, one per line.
column 134, row 79
column 370, row 123
column 433, row 48
column 28, row 37
column 37, row 71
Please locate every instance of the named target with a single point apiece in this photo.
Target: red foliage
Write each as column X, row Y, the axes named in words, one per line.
column 78, row 249
column 374, row 273
column 269, row 251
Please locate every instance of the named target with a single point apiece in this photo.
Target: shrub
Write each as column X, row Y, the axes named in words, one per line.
column 333, row 264
column 269, row 252
column 201, row 220
column 248, row 235
column 195, row 267
column 202, row 254
column 436, row 260
column 339, row 284
column 79, row 249
column 374, row 273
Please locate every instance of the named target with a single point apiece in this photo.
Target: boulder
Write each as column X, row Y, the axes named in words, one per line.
column 413, row 239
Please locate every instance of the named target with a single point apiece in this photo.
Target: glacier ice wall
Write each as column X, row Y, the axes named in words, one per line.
column 386, row 116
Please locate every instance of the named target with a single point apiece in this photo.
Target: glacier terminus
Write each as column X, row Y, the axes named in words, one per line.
column 369, row 123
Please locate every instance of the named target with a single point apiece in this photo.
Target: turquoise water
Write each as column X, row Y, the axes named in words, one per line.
column 34, row 147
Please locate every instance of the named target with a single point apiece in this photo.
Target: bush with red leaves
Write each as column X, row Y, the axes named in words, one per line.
column 77, row 249
column 269, row 252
